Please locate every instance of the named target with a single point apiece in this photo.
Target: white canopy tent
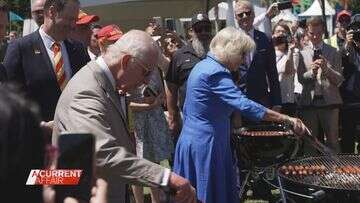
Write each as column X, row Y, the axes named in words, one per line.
column 133, row 14
column 285, row 15
column 316, row 10
column 222, row 12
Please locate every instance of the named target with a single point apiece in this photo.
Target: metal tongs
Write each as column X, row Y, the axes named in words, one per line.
column 320, row 146
column 316, row 143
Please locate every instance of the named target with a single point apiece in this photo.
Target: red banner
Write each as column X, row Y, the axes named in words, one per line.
column 54, row 177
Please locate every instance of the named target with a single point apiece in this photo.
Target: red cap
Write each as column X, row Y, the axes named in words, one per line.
column 110, row 33
column 343, row 15
column 84, row 18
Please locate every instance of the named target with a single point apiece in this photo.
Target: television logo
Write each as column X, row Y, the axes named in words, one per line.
column 54, row 177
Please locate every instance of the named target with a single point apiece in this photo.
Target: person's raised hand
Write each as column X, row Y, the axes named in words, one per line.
column 272, row 10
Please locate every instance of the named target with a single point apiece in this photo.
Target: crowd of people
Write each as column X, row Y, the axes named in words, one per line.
column 153, row 95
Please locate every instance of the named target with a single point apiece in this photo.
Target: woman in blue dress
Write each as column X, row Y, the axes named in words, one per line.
column 203, row 154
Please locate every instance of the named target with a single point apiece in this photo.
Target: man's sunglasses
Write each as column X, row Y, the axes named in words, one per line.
column 244, row 14
column 146, row 71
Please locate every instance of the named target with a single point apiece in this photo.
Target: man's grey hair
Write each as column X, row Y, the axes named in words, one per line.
column 231, row 43
column 136, row 43
column 58, row 4
column 240, row 3
column 36, row 3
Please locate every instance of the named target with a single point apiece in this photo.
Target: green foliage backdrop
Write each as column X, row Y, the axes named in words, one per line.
column 21, row 8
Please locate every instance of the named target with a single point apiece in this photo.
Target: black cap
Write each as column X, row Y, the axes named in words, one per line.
column 355, row 21
column 200, row 17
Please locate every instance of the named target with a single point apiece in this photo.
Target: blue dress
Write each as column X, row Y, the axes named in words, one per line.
column 203, row 153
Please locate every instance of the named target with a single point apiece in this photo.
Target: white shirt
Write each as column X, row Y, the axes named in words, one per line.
column 263, row 24
column 48, row 42
column 287, row 81
column 249, row 57
column 100, row 61
column 298, row 86
column 92, row 55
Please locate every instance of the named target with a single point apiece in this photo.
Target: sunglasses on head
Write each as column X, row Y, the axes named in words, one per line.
column 244, row 14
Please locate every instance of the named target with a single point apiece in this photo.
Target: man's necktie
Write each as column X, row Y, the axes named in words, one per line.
column 59, row 66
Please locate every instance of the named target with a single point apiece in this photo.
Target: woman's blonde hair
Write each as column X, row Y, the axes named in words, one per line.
column 231, row 43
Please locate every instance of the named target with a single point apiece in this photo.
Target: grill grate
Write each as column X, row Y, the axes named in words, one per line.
column 330, row 178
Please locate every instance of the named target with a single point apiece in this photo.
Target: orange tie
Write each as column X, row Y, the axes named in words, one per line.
column 59, row 65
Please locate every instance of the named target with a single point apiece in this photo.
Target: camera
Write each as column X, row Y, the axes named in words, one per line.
column 356, row 35
column 283, row 39
column 284, row 5
column 355, row 26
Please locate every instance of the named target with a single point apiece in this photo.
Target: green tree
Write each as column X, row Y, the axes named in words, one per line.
column 21, row 8
column 355, row 6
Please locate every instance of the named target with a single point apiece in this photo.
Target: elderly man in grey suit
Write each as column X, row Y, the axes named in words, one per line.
column 90, row 103
column 320, row 73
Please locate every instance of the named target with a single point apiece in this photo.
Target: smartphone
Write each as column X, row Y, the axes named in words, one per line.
column 150, row 92
column 76, row 151
column 284, row 5
column 356, row 35
column 317, row 54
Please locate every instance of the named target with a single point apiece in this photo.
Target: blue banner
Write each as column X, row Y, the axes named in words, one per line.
column 15, row 17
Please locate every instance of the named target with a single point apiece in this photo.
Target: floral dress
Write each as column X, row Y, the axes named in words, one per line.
column 152, row 135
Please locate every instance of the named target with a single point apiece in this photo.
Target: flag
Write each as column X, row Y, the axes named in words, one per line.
column 15, row 17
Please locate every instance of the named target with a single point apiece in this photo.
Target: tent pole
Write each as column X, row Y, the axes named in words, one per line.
column 216, row 11
column 324, row 19
column 207, row 5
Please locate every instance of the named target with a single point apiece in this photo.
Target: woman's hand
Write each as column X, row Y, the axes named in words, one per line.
column 149, row 100
column 298, row 126
column 159, row 100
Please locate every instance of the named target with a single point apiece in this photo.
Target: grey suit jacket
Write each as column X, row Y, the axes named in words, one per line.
column 89, row 103
column 330, row 80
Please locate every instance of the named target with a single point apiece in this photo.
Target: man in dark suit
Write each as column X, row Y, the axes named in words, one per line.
column 258, row 76
column 44, row 61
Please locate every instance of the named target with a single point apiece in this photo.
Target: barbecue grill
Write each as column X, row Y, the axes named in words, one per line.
column 264, row 145
column 340, row 176
column 260, row 148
